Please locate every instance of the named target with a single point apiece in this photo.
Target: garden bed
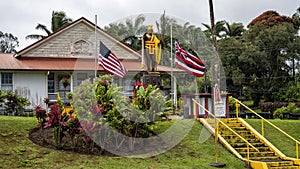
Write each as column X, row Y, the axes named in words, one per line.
column 45, row 138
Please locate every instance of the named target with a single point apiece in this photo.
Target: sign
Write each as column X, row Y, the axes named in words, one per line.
column 220, row 110
column 151, row 79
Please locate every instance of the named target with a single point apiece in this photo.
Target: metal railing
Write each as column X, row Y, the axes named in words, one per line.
column 217, row 128
column 271, row 124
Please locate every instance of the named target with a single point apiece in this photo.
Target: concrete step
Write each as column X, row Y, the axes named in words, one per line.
column 280, row 163
column 266, row 158
column 241, row 128
column 228, row 132
column 239, row 140
column 233, row 136
column 244, row 145
column 237, row 124
column 228, row 120
column 244, row 149
column 258, row 154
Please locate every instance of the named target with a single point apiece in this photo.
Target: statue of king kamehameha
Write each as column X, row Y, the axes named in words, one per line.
column 151, row 50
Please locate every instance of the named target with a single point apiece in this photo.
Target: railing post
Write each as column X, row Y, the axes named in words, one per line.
column 217, row 139
column 248, row 155
column 297, row 151
column 262, row 128
column 236, row 109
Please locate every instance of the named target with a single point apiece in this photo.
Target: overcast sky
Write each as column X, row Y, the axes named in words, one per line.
column 20, row 17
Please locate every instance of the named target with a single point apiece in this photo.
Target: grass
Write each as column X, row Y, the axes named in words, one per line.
column 284, row 144
column 17, row 151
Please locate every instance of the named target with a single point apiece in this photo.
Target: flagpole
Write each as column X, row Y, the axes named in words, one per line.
column 216, row 70
column 96, row 56
column 172, row 76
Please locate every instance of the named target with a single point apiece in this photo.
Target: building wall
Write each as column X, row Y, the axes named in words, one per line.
column 79, row 42
column 31, row 85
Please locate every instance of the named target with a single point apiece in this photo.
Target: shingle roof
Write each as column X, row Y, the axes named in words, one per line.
column 9, row 62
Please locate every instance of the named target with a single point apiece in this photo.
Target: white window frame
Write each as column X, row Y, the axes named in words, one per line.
column 6, row 86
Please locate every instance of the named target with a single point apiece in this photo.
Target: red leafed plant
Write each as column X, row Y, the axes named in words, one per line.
column 40, row 114
column 58, row 122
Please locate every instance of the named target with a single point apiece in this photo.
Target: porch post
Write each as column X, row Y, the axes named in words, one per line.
column 71, row 82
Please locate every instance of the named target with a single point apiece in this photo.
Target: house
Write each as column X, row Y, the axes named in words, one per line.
column 37, row 71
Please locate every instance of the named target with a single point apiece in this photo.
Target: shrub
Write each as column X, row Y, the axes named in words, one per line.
column 291, row 108
column 101, row 106
column 40, row 114
column 13, row 103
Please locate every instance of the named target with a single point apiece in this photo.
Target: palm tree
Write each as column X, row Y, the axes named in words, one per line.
column 58, row 20
column 182, row 32
column 135, row 31
column 234, row 29
column 219, row 28
column 129, row 32
column 163, row 26
column 116, row 29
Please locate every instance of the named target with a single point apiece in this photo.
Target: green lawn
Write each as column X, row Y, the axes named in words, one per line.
column 285, row 145
column 17, row 151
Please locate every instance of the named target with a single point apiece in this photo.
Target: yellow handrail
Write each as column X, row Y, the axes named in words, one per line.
column 277, row 128
column 195, row 102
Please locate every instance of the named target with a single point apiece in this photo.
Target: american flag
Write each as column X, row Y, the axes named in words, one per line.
column 110, row 62
column 188, row 62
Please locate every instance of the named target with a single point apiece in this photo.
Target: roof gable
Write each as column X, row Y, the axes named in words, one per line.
column 80, row 39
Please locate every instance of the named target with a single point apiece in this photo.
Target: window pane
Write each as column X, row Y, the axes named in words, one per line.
column 6, row 78
column 6, row 81
column 51, row 83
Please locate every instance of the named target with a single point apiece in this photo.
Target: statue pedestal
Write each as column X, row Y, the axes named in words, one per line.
column 152, row 78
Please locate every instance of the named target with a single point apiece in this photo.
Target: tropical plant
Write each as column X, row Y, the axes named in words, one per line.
column 102, row 109
column 8, row 43
column 129, row 32
column 40, row 114
column 234, row 29
column 58, row 20
column 13, row 103
column 220, row 29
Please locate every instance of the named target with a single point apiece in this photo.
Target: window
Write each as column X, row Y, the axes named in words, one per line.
column 81, row 77
column 51, row 83
column 6, row 81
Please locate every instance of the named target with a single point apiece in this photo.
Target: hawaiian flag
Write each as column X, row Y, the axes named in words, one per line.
column 188, row 62
column 110, row 62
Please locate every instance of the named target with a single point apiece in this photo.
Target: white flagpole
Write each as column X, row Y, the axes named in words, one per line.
column 96, row 55
column 172, row 76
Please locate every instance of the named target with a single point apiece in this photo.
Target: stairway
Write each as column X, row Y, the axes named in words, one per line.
column 265, row 156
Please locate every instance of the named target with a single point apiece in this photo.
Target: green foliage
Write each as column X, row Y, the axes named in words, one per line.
column 272, row 18
column 256, row 61
column 13, row 103
column 292, row 94
column 184, row 155
column 58, row 20
column 232, row 104
column 8, row 43
column 291, row 108
column 101, row 106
